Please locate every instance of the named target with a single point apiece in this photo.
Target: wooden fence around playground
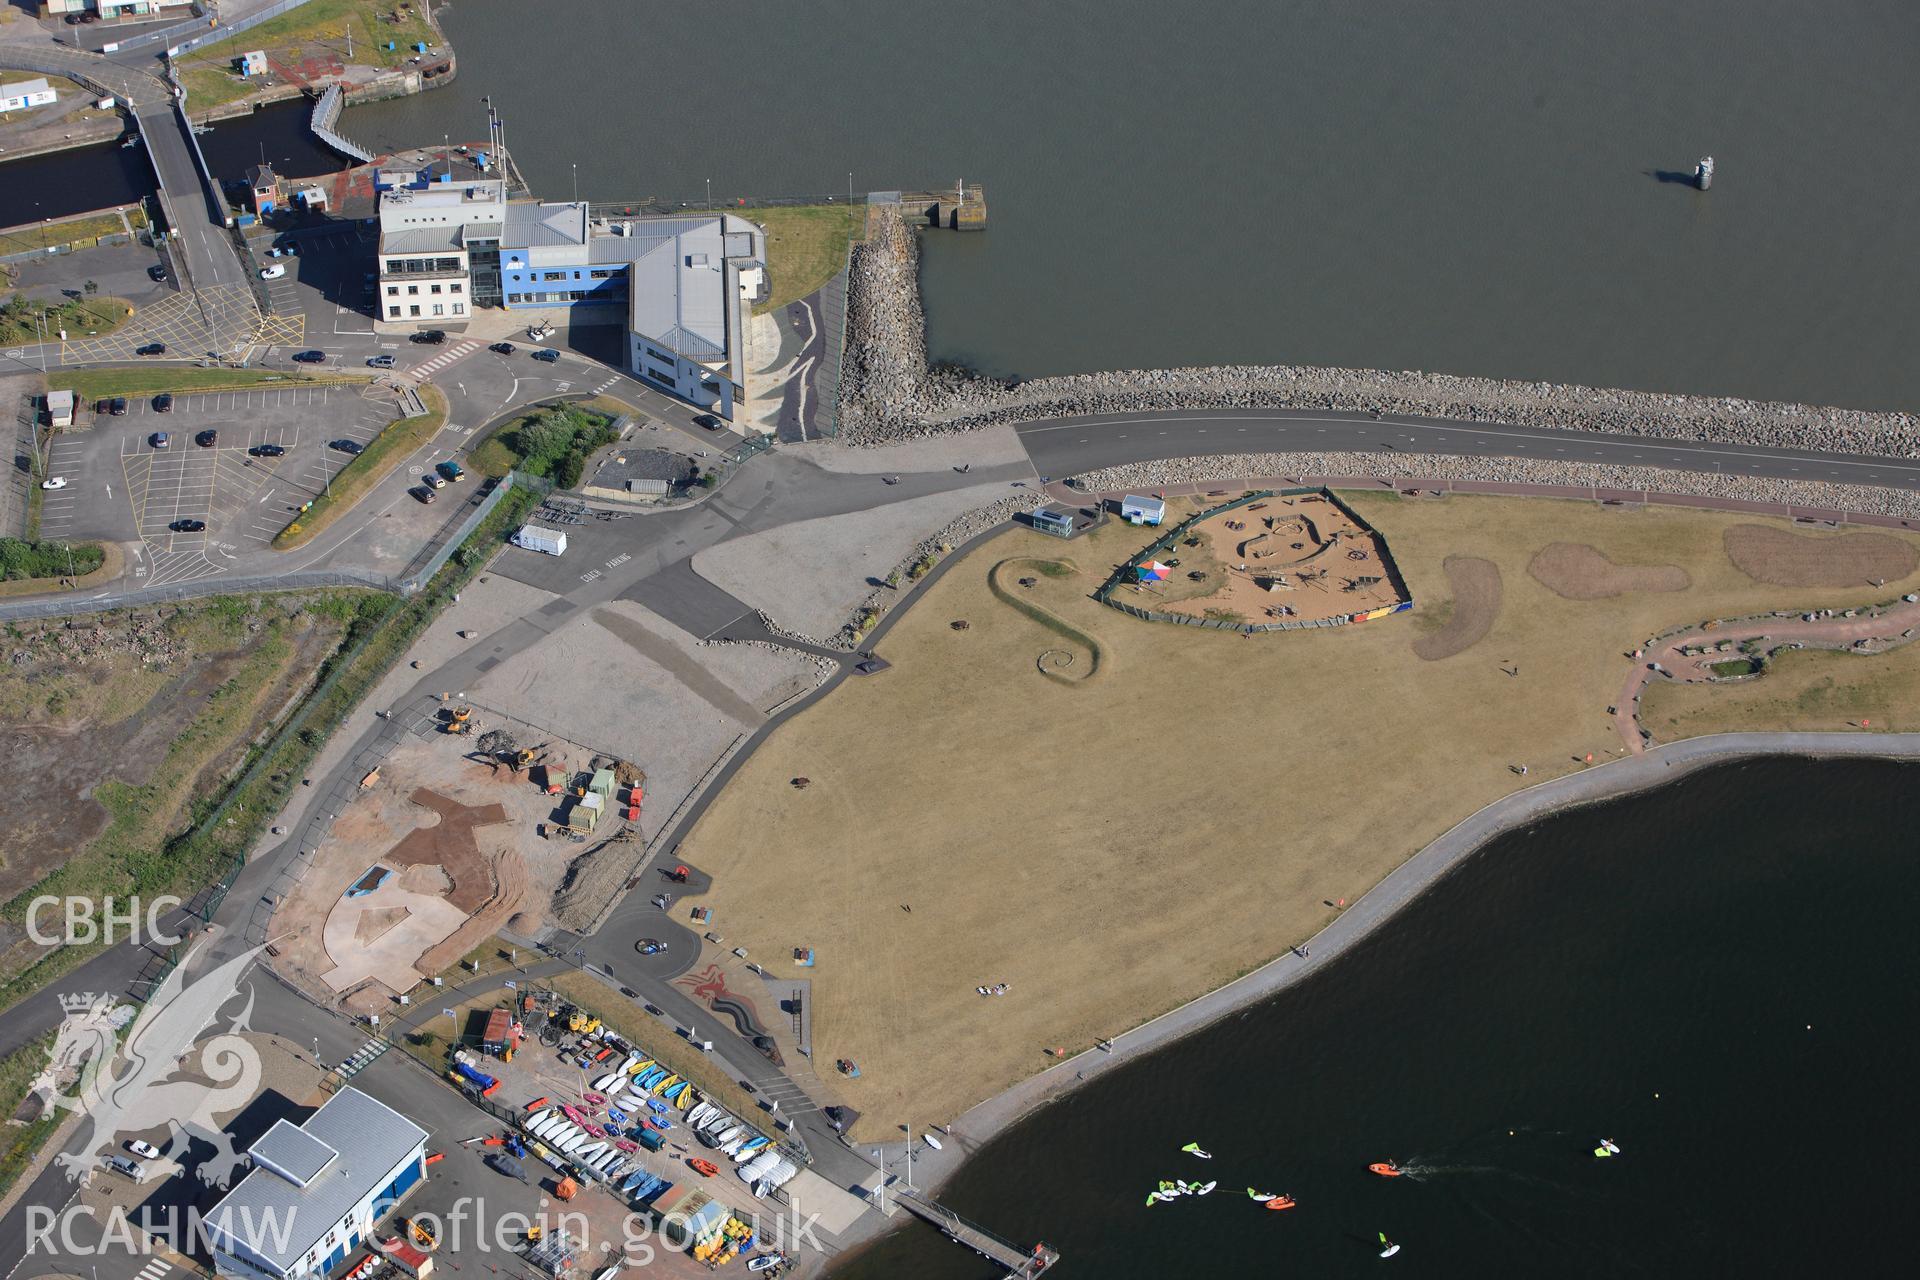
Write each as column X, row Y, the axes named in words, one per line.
column 1168, row 540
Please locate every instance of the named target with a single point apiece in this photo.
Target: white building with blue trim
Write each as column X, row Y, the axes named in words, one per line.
column 316, row 1189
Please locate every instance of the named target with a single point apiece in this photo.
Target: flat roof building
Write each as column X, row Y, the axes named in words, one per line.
column 316, row 1189
column 27, row 93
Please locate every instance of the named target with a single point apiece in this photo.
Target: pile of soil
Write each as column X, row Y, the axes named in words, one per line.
column 1767, row 554
column 1577, row 571
column 595, row 878
column 1476, row 603
column 450, row 845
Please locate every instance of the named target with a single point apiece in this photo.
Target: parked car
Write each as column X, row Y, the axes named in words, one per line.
column 266, row 451
column 120, row 1164
column 117, row 406
column 379, row 362
column 310, row 357
column 429, row 337
column 152, row 349
column 501, row 348
column 423, row 493
column 157, row 273
column 207, row 439
column 707, row 422
column 145, row 1150
column 158, row 439
column 450, row 469
column 273, row 271
column 547, row 354
column 54, row 482
column 345, row 445
column 651, row 946
column 663, row 900
column 188, row 526
column 434, row 480
column 163, row 403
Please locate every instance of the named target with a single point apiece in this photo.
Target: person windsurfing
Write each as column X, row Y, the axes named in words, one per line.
column 1607, row 1147
column 1193, row 1149
column 1387, row 1247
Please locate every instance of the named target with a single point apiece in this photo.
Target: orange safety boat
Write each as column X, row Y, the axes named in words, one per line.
column 1281, row 1202
column 705, row 1168
column 1387, row 1170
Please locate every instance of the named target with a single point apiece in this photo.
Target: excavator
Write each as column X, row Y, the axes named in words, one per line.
column 458, row 720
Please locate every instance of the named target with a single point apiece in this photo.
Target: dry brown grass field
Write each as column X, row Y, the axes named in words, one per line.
column 1115, row 846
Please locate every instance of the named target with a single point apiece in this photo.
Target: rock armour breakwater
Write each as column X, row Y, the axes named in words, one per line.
column 889, row 392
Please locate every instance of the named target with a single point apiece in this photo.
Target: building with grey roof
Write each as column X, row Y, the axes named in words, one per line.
column 316, row 1189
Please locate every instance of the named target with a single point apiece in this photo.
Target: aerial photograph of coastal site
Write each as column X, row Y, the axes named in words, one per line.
column 1151, row 640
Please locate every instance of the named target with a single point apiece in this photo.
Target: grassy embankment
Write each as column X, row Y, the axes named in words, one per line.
column 109, row 564
column 82, row 232
column 1201, row 803
column 806, row 247
column 93, row 384
column 396, row 443
column 23, row 1142
column 21, row 560
column 381, row 629
column 318, row 30
column 553, row 442
column 1812, row 690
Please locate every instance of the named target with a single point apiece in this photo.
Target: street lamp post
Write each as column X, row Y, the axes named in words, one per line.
column 709, row 195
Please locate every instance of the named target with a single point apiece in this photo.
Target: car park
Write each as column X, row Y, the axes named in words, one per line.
column 158, row 439
column 266, row 451
column 422, row 493
column 429, row 337
column 163, row 403
column 501, row 348
column 188, row 526
column 547, row 354
column 152, row 349
column 54, row 482
column 450, row 469
column 273, row 271
column 310, row 357
column 379, row 362
column 345, row 445
column 207, row 439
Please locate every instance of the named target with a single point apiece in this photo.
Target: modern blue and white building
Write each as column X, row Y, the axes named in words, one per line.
column 316, row 1190
column 682, row 285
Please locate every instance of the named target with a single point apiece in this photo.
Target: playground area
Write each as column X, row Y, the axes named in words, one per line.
column 1104, row 849
column 437, row 849
column 1298, row 558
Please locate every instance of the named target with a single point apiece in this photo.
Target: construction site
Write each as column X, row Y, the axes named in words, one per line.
column 472, row 823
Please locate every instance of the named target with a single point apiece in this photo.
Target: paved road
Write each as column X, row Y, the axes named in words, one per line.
column 1063, row 446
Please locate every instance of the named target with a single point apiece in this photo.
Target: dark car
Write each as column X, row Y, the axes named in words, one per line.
column 451, row 470
column 158, row 439
column 188, row 526
column 430, row 337
column 207, row 439
column 157, row 273
column 266, row 451
column 152, row 349
column 115, row 406
column 379, row 362
column 501, row 348
column 707, row 422
column 650, row 946
column 163, row 403
column 546, row 353
column 310, row 357
column 423, row 493
column 344, row 445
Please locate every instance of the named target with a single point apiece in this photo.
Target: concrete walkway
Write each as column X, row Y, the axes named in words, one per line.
column 1401, row 886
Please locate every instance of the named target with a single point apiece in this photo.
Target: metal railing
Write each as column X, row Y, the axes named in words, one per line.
column 326, row 114
column 214, row 35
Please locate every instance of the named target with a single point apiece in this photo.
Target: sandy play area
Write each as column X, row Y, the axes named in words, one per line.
column 1278, row 559
column 423, row 865
column 1112, row 846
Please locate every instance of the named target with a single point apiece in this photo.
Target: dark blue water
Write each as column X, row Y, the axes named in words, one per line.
column 1718, row 975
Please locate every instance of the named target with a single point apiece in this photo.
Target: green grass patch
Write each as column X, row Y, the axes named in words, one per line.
column 84, row 230
column 553, row 443
column 24, row 319
column 1736, row 667
column 22, row 1143
column 94, row 384
column 393, row 446
column 806, row 247
column 20, row 559
column 320, row 28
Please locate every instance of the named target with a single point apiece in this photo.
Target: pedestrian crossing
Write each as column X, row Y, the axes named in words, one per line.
column 154, row 1270
column 452, row 355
